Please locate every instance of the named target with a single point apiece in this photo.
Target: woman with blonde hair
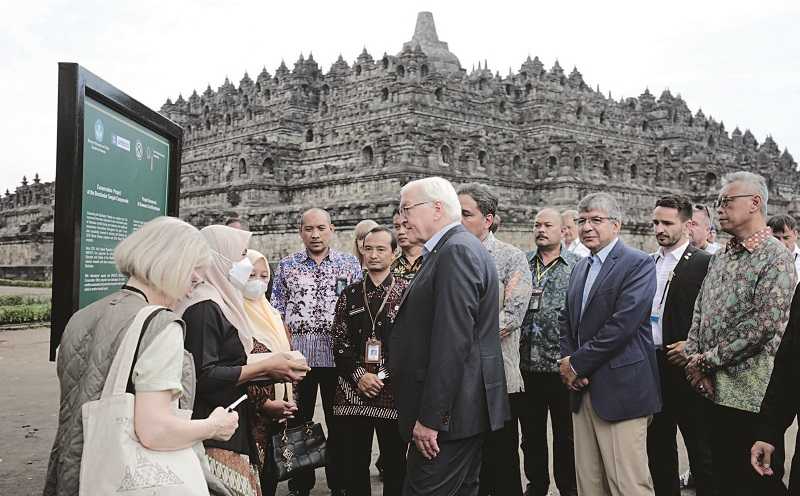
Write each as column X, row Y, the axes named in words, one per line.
column 161, row 260
column 359, row 233
column 220, row 337
column 274, row 404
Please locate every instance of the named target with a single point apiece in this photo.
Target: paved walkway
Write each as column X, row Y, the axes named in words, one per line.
column 29, row 415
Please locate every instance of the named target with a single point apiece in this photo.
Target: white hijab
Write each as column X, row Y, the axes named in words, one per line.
column 228, row 246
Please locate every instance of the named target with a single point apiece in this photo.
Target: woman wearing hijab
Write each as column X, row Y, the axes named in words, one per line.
column 220, row 338
column 272, row 404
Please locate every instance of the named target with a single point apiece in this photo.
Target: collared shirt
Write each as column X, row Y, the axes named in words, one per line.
column 712, row 248
column 431, row 243
column 305, row 294
column 514, row 277
column 796, row 255
column 665, row 265
column 539, row 341
column 740, row 315
column 352, row 327
column 578, row 248
column 596, row 262
column 401, row 267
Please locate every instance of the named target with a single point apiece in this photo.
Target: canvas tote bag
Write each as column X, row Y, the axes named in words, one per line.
column 113, row 460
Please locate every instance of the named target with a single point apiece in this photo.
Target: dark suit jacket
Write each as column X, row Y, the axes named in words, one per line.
column 612, row 344
column 445, row 356
column 781, row 403
column 682, row 293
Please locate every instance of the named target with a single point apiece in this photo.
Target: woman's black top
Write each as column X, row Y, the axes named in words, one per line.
column 218, row 359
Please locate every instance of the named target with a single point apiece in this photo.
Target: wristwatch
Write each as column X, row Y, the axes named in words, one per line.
column 381, row 375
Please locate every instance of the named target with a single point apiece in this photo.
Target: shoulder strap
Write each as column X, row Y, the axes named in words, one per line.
column 130, row 388
column 124, row 357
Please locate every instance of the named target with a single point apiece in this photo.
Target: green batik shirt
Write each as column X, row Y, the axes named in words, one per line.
column 539, row 344
column 402, row 268
column 740, row 315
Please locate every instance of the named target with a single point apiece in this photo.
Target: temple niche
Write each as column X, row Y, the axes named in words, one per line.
column 349, row 138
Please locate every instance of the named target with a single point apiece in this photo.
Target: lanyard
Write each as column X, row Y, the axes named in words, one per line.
column 135, row 290
column 539, row 274
column 383, row 303
column 666, row 288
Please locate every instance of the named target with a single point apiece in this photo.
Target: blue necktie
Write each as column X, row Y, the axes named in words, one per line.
column 595, row 264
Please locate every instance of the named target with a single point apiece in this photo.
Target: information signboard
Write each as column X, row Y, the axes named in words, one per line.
column 118, row 167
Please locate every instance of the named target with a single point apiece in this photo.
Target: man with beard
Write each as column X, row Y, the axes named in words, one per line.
column 680, row 269
column 551, row 265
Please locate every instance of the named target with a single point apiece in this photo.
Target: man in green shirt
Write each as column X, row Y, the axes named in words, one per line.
column 739, row 319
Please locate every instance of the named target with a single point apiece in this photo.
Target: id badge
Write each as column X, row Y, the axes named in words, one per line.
column 536, row 299
column 373, row 351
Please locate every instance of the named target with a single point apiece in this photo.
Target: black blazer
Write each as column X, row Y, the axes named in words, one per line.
column 682, row 293
column 445, row 356
column 781, row 403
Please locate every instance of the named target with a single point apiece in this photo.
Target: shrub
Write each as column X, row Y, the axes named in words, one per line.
column 15, row 300
column 21, row 314
column 26, row 284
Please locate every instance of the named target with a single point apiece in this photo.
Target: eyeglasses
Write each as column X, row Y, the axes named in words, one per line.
column 595, row 221
column 404, row 210
column 724, row 201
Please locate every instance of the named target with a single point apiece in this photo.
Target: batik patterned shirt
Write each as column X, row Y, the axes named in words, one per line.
column 540, row 347
column 515, row 293
column 305, row 295
column 740, row 315
column 352, row 327
column 401, row 267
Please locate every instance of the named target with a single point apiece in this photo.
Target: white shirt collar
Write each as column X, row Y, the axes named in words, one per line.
column 603, row 254
column 431, row 243
column 677, row 253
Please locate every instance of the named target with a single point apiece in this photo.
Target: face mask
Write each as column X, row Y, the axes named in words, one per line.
column 240, row 273
column 254, row 289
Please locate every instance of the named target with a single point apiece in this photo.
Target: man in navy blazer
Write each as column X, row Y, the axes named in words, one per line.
column 608, row 358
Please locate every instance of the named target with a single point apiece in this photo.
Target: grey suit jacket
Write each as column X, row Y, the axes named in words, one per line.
column 445, row 358
column 612, row 343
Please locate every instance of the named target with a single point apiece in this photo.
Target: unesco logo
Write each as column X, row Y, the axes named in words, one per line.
column 98, row 130
column 139, row 150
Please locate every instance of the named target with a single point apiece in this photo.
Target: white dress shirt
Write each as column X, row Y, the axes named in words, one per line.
column 577, row 248
column 665, row 265
column 796, row 255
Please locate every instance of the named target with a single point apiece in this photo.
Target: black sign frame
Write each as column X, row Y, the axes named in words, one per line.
column 75, row 83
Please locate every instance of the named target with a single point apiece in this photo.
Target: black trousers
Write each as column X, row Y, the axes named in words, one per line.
column 354, row 447
column 545, row 393
column 454, row 472
column 500, row 464
column 732, row 436
column 306, row 395
column 685, row 409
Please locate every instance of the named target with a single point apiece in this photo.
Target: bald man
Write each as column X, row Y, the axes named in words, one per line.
column 551, row 265
column 305, row 290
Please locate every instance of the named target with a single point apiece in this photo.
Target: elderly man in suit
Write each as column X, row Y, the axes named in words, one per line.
column 445, row 357
column 608, row 359
column 680, row 270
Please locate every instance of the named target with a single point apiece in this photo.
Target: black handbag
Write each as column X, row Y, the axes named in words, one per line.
column 296, row 449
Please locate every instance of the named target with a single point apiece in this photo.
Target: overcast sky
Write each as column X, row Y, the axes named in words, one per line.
column 737, row 60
